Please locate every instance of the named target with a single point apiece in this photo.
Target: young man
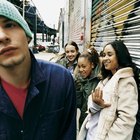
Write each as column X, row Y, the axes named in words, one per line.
column 37, row 98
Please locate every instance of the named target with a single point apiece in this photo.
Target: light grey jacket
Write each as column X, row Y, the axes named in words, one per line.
column 117, row 121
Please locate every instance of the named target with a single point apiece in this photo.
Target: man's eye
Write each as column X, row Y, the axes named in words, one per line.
column 10, row 25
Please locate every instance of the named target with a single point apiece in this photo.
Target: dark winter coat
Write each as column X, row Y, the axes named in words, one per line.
column 83, row 90
column 50, row 109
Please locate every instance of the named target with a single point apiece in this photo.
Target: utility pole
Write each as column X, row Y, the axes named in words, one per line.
column 23, row 12
column 35, row 26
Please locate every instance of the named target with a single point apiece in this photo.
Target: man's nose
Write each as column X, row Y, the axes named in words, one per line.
column 3, row 36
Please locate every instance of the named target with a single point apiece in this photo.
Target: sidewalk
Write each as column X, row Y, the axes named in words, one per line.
column 44, row 55
column 48, row 56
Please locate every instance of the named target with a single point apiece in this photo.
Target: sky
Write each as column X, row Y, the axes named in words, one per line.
column 49, row 11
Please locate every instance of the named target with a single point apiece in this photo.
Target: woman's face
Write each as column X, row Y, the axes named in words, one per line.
column 85, row 67
column 110, row 60
column 71, row 52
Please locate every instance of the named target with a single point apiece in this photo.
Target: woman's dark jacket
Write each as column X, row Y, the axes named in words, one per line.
column 50, row 109
column 83, row 90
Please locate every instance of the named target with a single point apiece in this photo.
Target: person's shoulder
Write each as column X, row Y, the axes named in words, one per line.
column 48, row 64
column 52, row 66
column 57, row 58
column 62, row 61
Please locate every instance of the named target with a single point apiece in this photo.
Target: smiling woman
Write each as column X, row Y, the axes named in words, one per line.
column 86, row 79
column 111, row 107
column 69, row 60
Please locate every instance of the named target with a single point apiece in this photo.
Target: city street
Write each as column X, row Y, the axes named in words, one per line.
column 44, row 55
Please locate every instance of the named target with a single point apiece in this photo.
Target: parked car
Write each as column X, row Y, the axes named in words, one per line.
column 40, row 48
column 54, row 48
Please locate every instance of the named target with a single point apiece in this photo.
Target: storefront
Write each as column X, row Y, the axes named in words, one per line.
column 116, row 19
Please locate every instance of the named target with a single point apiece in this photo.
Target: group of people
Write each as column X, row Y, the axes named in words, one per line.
column 39, row 99
column 107, row 87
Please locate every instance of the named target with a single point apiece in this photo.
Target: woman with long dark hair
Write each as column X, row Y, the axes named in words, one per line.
column 114, row 104
column 71, row 55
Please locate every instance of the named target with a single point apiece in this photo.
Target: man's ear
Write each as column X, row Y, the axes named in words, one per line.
column 28, row 39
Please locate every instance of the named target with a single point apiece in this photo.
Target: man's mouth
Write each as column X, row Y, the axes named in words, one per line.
column 7, row 50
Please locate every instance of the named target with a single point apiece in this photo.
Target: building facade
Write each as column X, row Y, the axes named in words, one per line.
column 97, row 22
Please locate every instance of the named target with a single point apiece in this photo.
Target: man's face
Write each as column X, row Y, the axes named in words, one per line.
column 13, row 43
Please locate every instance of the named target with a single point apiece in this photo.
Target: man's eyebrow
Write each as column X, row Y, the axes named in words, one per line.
column 7, row 20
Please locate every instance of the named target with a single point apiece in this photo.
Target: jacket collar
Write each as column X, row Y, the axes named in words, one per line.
column 37, row 77
column 124, row 72
column 121, row 73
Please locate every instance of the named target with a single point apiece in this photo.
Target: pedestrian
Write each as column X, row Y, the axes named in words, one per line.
column 113, row 106
column 86, row 79
column 37, row 98
column 71, row 55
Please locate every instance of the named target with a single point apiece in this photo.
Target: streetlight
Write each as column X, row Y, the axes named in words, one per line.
column 23, row 8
